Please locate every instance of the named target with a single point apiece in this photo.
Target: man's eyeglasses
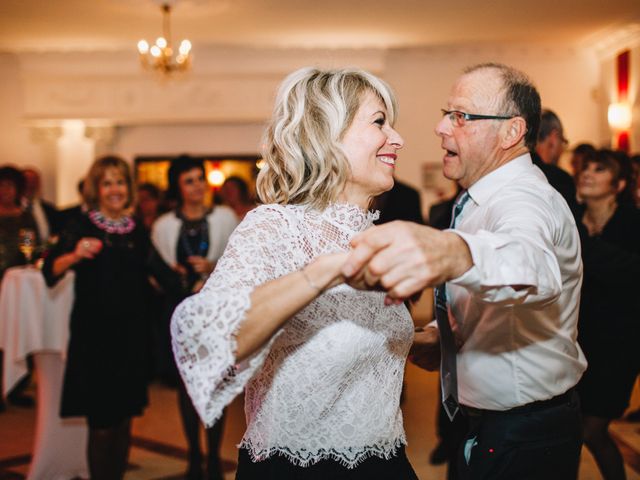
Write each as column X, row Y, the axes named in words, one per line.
column 459, row 119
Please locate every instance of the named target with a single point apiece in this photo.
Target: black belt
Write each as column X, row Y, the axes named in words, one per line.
column 565, row 398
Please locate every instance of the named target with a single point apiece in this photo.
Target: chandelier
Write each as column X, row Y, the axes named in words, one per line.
column 160, row 56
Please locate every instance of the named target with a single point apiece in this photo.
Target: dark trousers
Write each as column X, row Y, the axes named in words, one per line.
column 539, row 441
column 452, row 435
column 279, row 468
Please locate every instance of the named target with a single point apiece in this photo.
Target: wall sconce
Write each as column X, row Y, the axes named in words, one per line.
column 619, row 116
column 216, row 178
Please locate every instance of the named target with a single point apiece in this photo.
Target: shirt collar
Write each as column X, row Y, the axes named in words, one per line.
column 493, row 181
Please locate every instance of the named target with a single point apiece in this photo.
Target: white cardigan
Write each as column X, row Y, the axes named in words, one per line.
column 166, row 230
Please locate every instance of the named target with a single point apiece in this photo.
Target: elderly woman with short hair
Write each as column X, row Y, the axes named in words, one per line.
column 322, row 363
column 13, row 218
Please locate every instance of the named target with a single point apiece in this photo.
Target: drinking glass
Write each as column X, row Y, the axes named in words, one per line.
column 27, row 243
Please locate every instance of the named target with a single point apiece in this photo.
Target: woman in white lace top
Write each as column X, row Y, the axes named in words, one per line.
column 322, row 363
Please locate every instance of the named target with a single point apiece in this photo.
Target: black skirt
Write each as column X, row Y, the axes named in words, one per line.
column 280, row 468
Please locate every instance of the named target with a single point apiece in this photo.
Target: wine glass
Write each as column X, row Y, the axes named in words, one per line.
column 27, row 242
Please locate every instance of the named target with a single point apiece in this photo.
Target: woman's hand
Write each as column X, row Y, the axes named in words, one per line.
column 201, row 265
column 197, row 286
column 180, row 270
column 88, row 247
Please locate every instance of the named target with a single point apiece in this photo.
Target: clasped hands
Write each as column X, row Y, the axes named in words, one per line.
column 404, row 258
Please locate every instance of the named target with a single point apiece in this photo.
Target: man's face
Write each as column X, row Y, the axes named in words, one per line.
column 472, row 149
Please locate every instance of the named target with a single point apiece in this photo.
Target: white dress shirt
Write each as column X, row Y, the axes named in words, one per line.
column 517, row 307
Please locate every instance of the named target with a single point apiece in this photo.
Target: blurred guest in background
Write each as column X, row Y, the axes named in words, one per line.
column 190, row 240
column 440, row 213
column 148, row 202
column 580, row 154
column 18, row 229
column 18, row 239
column 44, row 213
column 609, row 331
column 235, row 194
column 402, row 202
column 635, row 165
column 107, row 366
column 549, row 147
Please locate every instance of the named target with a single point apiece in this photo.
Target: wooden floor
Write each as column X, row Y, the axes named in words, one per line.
column 159, row 448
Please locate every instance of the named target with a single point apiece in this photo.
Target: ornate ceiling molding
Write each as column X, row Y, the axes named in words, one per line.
column 609, row 43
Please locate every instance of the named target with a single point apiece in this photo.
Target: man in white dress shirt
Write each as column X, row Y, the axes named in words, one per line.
column 513, row 272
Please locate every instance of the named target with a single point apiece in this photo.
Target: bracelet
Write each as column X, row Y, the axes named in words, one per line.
column 310, row 282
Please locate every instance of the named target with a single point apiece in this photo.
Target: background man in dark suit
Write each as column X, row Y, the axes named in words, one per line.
column 402, row 202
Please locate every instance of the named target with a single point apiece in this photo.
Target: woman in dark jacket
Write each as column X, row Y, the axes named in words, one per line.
column 608, row 328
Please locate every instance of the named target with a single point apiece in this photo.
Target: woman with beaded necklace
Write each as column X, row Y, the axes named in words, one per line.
column 107, row 367
column 322, row 362
column 190, row 240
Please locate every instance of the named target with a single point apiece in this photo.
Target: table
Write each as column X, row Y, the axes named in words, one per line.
column 35, row 320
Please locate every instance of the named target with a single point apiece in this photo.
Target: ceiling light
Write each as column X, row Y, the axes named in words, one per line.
column 159, row 56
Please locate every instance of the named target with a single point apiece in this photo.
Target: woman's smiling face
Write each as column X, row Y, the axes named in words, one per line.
column 370, row 145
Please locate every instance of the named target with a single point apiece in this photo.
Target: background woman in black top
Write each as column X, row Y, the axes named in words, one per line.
column 107, row 364
column 610, row 304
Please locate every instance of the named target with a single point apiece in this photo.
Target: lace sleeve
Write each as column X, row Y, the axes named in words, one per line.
column 203, row 327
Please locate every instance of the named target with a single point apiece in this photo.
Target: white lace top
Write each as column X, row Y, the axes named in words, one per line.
column 328, row 383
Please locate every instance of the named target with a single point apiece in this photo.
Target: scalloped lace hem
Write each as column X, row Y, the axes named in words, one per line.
column 348, row 459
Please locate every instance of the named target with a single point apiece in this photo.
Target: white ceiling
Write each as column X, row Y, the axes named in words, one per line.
column 116, row 24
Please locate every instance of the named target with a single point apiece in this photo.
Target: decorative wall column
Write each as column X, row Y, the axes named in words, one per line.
column 69, row 152
column 74, row 155
column 45, row 136
column 103, row 137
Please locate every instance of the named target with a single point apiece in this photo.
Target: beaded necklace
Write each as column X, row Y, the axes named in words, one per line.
column 121, row 226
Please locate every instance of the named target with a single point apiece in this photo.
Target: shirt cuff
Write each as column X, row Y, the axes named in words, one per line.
column 471, row 278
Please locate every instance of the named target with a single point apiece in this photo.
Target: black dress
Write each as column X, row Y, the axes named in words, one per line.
column 107, row 367
column 609, row 326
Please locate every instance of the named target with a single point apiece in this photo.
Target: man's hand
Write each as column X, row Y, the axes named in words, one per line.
column 404, row 258
column 425, row 351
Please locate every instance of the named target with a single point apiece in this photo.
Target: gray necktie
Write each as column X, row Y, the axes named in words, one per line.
column 448, row 351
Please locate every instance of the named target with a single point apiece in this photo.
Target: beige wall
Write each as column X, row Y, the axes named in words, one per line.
column 16, row 144
column 189, row 115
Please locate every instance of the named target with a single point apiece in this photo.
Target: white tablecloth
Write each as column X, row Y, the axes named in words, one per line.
column 35, row 320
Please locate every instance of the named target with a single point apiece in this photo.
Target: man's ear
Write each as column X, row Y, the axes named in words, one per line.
column 621, row 185
column 514, row 131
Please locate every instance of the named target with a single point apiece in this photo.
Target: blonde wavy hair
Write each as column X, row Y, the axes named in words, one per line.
column 304, row 159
